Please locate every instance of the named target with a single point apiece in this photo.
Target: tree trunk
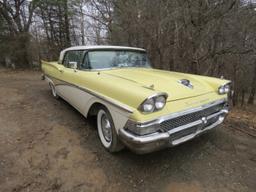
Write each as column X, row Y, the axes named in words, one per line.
column 20, row 58
column 66, row 20
column 253, row 87
column 242, row 97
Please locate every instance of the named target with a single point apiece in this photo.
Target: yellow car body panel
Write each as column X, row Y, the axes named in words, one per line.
column 131, row 86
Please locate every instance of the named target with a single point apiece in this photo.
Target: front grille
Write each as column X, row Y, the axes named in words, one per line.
column 183, row 133
column 191, row 117
column 211, row 121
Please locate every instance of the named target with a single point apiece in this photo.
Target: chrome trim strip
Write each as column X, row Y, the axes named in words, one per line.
column 156, row 95
column 143, row 139
column 113, row 68
column 180, row 128
column 112, row 102
column 198, row 122
column 173, row 115
column 191, row 136
column 155, row 137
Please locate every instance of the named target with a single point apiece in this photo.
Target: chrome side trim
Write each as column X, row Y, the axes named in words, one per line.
column 112, row 102
column 112, row 68
column 173, row 115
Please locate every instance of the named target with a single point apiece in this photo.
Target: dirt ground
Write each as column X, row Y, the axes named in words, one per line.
column 46, row 145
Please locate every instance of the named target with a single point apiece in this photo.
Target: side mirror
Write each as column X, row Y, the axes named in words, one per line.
column 73, row 65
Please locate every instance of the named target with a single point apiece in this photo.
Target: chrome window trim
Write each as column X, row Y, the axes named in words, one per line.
column 97, row 47
column 116, row 104
column 108, row 68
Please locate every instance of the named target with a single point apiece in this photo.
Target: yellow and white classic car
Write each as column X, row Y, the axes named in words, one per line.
column 136, row 106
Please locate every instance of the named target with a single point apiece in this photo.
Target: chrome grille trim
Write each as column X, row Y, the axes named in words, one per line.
column 191, row 117
column 199, row 123
column 176, row 136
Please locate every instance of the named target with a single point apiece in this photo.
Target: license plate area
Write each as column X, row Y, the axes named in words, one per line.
column 185, row 132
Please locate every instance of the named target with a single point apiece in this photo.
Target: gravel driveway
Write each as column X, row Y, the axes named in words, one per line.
column 46, row 145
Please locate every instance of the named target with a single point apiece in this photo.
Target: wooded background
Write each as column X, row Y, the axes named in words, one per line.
column 208, row 37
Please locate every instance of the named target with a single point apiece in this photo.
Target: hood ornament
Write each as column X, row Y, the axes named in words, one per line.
column 186, row 83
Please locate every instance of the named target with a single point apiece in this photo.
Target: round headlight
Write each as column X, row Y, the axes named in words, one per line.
column 224, row 89
column 221, row 90
column 227, row 88
column 148, row 105
column 160, row 102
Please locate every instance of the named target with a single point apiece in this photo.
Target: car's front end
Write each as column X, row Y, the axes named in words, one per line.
column 178, row 121
column 170, row 107
column 173, row 129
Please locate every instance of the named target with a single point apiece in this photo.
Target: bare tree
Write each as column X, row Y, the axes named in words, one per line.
column 215, row 38
column 18, row 14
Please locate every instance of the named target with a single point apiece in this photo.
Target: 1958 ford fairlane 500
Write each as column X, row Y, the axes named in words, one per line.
column 136, row 106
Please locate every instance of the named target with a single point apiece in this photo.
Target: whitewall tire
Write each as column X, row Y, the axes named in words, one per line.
column 106, row 131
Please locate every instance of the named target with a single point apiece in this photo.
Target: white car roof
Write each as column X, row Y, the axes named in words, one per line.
column 97, row 47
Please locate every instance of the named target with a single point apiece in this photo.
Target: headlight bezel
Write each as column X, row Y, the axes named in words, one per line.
column 160, row 102
column 224, row 89
column 146, row 104
column 155, row 98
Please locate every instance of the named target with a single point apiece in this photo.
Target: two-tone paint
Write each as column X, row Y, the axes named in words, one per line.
column 122, row 90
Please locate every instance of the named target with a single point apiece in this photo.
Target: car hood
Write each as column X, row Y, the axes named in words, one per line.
column 163, row 81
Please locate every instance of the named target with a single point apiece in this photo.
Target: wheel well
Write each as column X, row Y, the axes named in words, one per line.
column 94, row 109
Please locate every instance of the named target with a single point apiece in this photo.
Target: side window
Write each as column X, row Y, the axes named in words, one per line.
column 86, row 63
column 73, row 56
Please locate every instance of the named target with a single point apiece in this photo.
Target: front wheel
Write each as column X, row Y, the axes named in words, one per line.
column 107, row 131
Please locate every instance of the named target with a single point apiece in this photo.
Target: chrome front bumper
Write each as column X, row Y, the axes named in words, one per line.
column 175, row 136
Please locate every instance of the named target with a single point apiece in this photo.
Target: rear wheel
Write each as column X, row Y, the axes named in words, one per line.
column 54, row 93
column 107, row 131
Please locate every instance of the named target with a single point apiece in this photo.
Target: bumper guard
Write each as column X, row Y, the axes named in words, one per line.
column 158, row 140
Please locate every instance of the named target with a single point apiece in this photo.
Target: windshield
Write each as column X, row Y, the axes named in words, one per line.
column 115, row 59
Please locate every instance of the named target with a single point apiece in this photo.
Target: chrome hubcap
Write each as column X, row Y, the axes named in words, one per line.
column 106, row 128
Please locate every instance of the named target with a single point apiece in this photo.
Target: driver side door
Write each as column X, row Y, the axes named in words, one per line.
column 69, row 77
